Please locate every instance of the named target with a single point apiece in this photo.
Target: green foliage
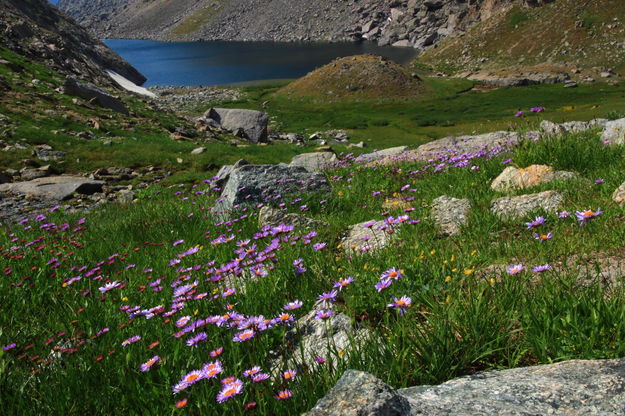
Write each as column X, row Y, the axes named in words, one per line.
column 517, row 19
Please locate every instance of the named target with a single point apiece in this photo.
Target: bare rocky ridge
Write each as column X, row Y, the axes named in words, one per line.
column 37, row 30
column 413, row 23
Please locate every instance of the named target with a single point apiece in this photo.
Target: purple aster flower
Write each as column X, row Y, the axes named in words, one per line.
column 584, row 217
column 324, row 314
column 564, row 214
column 328, row 297
column 392, row 274
column 9, row 347
column 257, row 378
column 541, row 268
column 148, row 364
column 543, row 237
column 293, row 305
column 319, row 246
column 131, row 340
column 230, row 390
column 383, row 284
column 243, row 335
column 516, row 269
column 341, row 283
column 538, row 221
column 194, row 341
column 402, row 304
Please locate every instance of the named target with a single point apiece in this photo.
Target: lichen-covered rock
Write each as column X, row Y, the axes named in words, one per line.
column 619, row 194
column 572, row 388
column 331, row 338
column 551, row 128
column 252, row 184
column 314, row 162
column 614, row 131
column 450, row 214
column 521, row 178
column 520, row 206
column 360, row 394
column 274, row 217
column 366, row 236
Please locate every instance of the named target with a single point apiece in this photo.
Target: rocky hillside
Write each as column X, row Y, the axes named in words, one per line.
column 37, row 30
column 416, row 23
column 576, row 34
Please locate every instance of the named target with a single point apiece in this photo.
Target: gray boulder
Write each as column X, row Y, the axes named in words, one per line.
column 450, row 214
column 381, row 154
column 366, row 236
column 614, row 131
column 330, row 338
column 56, row 188
column 520, row 206
column 93, row 94
column 314, row 162
column 251, row 124
column 568, row 388
column 252, row 184
column 360, row 394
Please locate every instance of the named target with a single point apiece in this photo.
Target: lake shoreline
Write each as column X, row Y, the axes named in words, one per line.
column 239, row 63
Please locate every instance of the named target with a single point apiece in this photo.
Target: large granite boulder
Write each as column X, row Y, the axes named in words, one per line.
column 520, row 206
column 314, row 162
column 521, row 178
column 250, row 124
column 93, row 94
column 451, row 214
column 55, row 187
column 252, row 184
column 570, row 388
column 360, row 394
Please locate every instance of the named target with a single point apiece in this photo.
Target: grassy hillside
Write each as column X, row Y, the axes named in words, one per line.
column 65, row 338
column 577, row 33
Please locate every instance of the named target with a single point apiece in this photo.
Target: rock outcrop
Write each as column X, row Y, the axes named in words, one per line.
column 93, row 94
column 55, row 187
column 314, row 162
column 451, row 214
column 37, row 30
column 269, row 184
column 522, row 178
column 574, row 388
column 249, row 124
column 520, row 206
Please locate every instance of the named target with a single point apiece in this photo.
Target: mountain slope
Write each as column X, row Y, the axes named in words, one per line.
column 571, row 32
column 416, row 23
column 37, row 30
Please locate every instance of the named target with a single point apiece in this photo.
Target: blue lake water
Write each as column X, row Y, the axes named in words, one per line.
column 223, row 63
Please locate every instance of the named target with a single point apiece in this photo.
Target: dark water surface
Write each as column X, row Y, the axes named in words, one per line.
column 222, row 63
